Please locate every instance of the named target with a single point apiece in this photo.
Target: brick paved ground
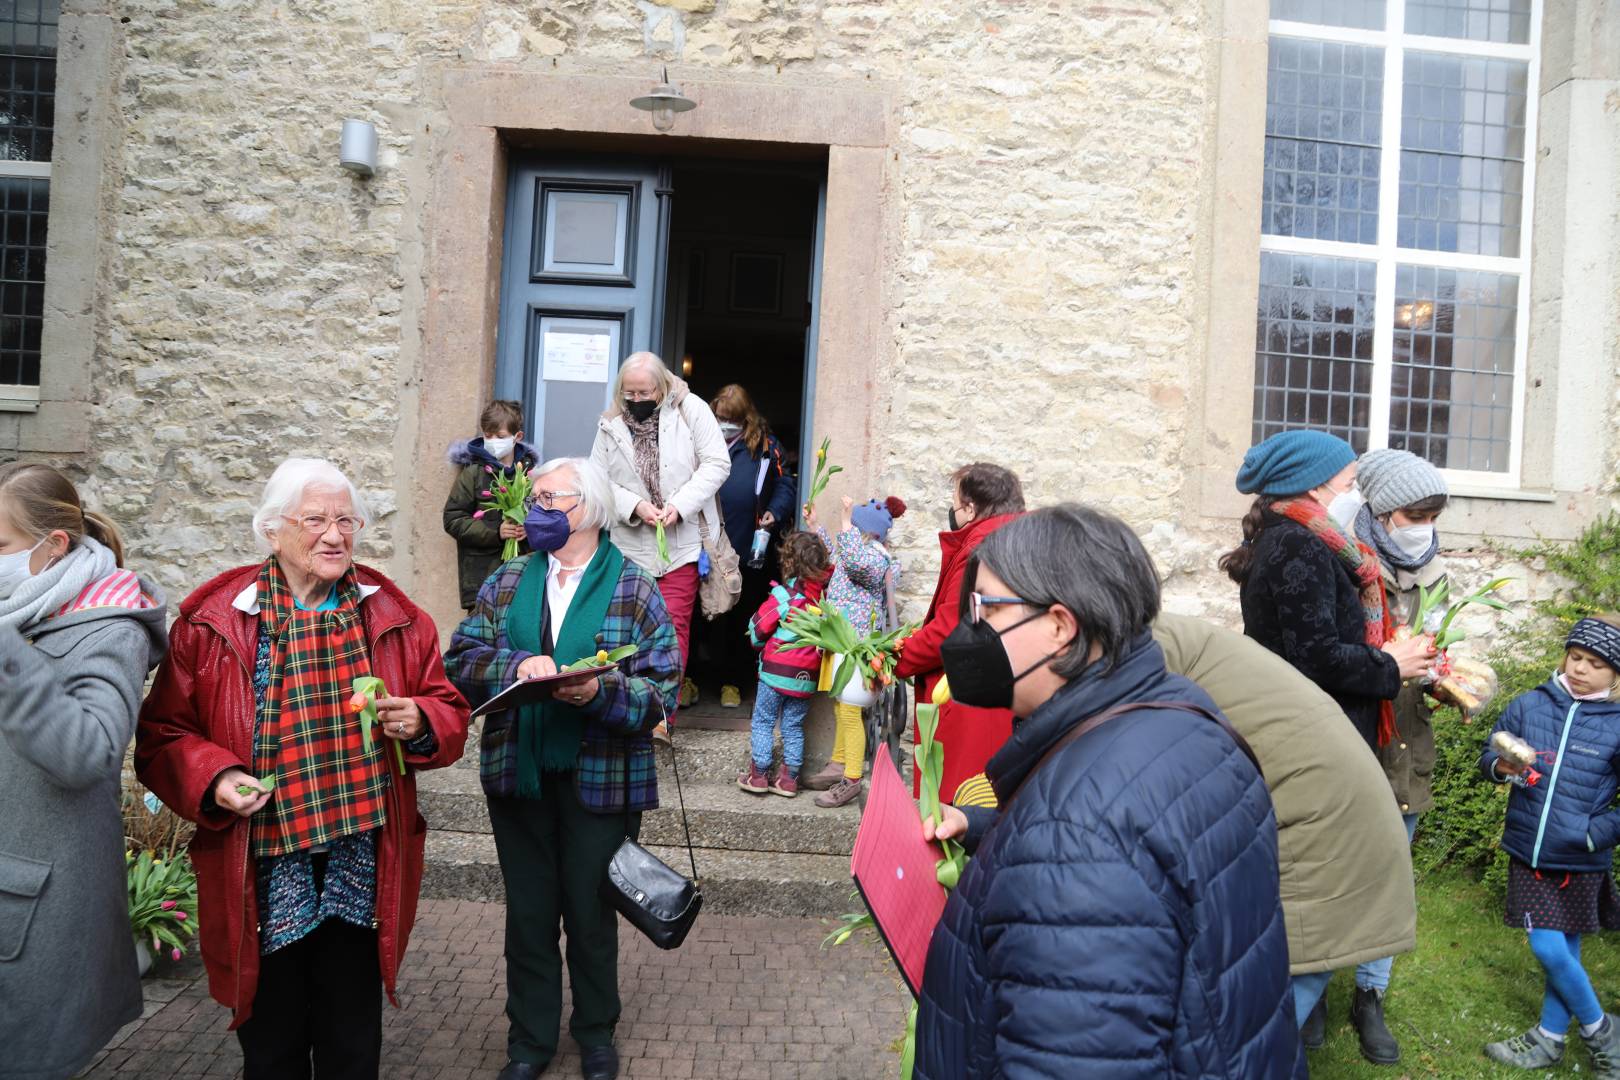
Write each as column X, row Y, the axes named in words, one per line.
column 743, row 998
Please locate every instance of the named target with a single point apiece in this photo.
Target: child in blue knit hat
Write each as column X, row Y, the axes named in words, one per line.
column 1557, row 745
column 862, row 567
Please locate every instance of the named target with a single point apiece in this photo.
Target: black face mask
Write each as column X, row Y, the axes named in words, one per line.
column 640, row 410
column 950, row 519
column 977, row 666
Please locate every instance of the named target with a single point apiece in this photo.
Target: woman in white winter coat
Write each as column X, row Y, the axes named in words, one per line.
column 662, row 449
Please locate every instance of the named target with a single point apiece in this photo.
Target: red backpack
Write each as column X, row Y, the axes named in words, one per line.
column 787, row 664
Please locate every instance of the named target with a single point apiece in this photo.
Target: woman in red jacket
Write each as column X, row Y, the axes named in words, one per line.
column 984, row 498
column 308, row 850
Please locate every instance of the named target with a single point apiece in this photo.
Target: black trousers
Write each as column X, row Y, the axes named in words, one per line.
column 735, row 658
column 554, row 855
column 319, row 1002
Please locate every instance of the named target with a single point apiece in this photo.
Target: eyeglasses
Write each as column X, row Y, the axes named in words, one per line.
column 548, row 499
column 977, row 602
column 640, row 395
column 318, row 524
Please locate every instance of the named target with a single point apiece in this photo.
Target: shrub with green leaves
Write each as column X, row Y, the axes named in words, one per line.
column 1465, row 827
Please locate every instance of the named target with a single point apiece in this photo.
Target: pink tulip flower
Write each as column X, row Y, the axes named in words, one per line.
column 169, row 905
column 478, row 514
column 180, row 915
column 175, row 955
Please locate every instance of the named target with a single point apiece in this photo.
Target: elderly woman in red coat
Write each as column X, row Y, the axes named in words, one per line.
column 308, row 850
column 984, row 497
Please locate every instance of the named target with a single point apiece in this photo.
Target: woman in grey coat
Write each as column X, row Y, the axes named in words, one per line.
column 78, row 633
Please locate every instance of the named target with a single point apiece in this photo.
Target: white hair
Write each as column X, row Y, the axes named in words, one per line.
column 663, row 380
column 596, row 494
column 287, row 486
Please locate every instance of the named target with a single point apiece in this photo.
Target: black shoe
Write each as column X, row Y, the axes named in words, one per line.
column 1367, row 1013
column 1314, row 1033
column 520, row 1070
column 600, row 1063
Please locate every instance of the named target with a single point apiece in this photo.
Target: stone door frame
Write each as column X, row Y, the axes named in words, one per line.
column 484, row 110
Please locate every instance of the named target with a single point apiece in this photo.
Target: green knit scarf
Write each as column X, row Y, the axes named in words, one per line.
column 549, row 733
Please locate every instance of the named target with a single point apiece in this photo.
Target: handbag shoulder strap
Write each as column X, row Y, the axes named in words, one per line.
column 1091, row 724
column 675, row 765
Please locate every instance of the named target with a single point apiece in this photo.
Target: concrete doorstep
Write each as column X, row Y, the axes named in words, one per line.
column 756, row 854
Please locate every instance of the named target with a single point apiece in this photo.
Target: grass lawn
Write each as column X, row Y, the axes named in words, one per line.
column 1470, row 981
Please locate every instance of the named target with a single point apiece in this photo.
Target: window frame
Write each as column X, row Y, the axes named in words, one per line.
column 1386, row 254
column 25, row 397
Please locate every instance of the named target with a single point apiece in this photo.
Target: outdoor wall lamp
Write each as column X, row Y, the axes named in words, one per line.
column 357, row 151
column 664, row 102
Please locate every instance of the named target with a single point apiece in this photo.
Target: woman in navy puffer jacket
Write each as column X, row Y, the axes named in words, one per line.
column 1120, row 916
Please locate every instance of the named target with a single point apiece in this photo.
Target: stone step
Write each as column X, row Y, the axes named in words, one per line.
column 707, row 756
column 720, row 814
column 463, row 866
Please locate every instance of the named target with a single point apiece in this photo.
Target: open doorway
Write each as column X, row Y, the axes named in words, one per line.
column 742, row 245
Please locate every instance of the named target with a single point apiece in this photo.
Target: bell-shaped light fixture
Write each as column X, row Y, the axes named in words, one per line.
column 664, row 102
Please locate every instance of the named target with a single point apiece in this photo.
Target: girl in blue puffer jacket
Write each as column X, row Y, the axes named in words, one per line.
column 1561, row 833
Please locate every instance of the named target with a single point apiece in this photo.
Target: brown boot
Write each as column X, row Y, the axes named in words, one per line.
column 842, row 793
column 829, row 775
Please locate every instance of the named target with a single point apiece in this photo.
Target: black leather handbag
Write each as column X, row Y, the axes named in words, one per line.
column 655, row 898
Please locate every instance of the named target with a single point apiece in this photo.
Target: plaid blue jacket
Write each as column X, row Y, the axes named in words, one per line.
column 481, row 662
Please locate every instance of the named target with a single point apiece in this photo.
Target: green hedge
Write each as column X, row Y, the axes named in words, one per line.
column 1465, row 825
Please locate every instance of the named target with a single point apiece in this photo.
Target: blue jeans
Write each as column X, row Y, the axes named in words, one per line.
column 770, row 708
column 1308, row 990
column 1374, row 974
column 1568, row 991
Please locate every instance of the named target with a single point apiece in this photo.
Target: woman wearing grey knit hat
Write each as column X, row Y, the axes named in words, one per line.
column 1402, row 498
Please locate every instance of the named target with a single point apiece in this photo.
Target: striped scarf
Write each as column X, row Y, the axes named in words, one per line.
column 327, row 785
column 1362, row 562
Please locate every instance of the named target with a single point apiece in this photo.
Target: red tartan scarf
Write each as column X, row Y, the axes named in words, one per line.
column 327, row 785
column 1362, row 563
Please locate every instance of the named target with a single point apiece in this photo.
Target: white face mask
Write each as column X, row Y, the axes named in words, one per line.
column 1413, row 540
column 14, row 569
column 1344, row 508
column 499, row 448
column 729, row 431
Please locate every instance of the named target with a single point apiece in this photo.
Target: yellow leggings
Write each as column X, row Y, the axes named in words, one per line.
column 849, row 739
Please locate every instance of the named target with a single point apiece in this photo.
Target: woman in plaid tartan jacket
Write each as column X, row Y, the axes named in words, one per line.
column 567, row 780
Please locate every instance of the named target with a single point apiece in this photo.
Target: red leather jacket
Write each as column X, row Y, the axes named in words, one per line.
column 968, row 734
column 198, row 721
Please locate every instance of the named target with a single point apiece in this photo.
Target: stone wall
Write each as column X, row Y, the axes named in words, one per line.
column 1051, row 169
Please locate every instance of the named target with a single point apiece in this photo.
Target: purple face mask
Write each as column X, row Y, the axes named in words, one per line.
column 546, row 530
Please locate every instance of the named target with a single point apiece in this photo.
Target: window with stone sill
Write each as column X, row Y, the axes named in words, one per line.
column 1395, row 239
column 28, row 31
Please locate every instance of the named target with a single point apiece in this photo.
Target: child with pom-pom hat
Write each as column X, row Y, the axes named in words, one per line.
column 861, row 569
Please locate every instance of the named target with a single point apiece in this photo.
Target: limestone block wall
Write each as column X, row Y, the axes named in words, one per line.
column 1051, row 170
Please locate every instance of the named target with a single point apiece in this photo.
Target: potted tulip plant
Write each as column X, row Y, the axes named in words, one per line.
column 162, row 904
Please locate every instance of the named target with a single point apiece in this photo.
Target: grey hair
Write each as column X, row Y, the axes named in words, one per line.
column 596, row 493
column 1086, row 560
column 663, row 379
column 285, row 490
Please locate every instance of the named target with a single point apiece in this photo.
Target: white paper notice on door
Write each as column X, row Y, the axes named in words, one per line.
column 575, row 356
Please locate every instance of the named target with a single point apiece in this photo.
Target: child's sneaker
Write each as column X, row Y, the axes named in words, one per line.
column 1532, row 1050
column 730, row 697
column 688, row 696
column 785, row 783
column 1604, row 1043
column 752, row 779
column 830, row 774
column 840, row 794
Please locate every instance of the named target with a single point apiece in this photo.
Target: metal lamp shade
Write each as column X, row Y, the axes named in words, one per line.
column 358, row 150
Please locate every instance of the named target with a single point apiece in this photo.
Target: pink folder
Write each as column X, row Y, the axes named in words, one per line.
column 893, row 867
